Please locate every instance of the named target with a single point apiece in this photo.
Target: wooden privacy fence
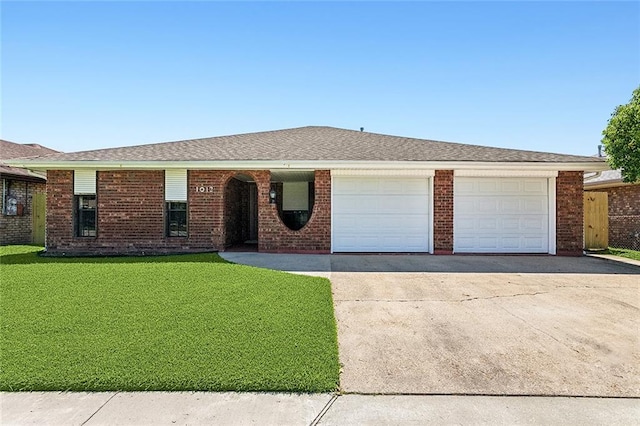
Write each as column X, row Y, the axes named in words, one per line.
column 596, row 221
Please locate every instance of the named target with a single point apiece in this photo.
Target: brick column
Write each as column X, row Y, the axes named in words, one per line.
column 59, row 208
column 443, row 212
column 569, row 213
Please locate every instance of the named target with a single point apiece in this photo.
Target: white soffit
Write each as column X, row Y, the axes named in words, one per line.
column 84, row 182
column 505, row 173
column 388, row 173
column 175, row 185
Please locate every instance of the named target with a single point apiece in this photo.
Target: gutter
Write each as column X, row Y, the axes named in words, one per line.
column 44, row 165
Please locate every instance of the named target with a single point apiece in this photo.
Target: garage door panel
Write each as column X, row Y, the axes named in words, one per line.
column 534, row 243
column 502, row 204
column 486, row 223
column 535, row 205
column 535, row 187
column 507, row 215
column 506, row 224
column 376, row 214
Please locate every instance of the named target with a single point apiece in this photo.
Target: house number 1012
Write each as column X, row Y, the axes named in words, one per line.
column 204, row 188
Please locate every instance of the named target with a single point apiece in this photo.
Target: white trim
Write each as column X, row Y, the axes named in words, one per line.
column 84, row 182
column 552, row 214
column 432, row 216
column 505, row 173
column 42, row 164
column 332, row 213
column 384, row 173
column 175, row 185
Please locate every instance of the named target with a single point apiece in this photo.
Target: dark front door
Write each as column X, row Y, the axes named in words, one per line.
column 253, row 212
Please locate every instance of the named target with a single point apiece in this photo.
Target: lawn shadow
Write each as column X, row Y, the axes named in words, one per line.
column 39, row 256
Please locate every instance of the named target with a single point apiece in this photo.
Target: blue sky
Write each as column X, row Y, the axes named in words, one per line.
column 543, row 76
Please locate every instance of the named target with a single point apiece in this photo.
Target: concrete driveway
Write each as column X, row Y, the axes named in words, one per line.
column 493, row 325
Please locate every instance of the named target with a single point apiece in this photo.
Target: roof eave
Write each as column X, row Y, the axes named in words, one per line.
column 43, row 165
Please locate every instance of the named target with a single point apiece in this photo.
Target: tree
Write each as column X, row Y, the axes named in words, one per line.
column 622, row 139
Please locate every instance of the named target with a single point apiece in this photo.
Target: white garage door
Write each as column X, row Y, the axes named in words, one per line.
column 501, row 215
column 380, row 214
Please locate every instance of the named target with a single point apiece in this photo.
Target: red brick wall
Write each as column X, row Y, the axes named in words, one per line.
column 131, row 214
column 569, row 213
column 315, row 236
column 130, row 207
column 443, row 212
column 624, row 216
column 59, row 210
column 18, row 229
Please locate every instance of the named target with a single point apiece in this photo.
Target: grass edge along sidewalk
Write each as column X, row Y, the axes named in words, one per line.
column 172, row 323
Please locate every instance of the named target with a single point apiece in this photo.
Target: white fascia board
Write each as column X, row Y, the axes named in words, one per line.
column 384, row 172
column 43, row 164
column 505, row 173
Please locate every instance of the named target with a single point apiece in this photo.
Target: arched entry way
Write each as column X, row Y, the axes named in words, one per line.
column 241, row 212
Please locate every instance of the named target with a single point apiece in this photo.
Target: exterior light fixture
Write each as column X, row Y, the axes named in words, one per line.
column 272, row 196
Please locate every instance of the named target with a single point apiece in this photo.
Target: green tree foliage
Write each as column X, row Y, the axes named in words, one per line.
column 622, row 139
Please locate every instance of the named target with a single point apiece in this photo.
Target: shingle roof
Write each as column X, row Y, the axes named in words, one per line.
column 315, row 143
column 11, row 150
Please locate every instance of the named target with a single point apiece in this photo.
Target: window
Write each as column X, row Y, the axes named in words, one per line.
column 176, row 219
column 85, row 215
column 175, row 196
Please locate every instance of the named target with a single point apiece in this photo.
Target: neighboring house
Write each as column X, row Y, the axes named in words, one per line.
column 23, row 196
column 316, row 190
column 624, row 207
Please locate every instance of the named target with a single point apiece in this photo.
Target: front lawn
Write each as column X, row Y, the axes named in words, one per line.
column 629, row 254
column 188, row 322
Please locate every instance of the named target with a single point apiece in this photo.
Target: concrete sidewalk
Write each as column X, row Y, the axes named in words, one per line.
column 227, row 408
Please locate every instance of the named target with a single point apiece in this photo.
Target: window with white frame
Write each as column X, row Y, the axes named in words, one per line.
column 85, row 203
column 175, row 195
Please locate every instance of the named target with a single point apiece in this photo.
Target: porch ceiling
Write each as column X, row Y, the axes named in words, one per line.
column 292, row 175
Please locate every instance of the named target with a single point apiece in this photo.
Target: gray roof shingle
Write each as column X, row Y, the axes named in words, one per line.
column 315, row 143
column 11, row 150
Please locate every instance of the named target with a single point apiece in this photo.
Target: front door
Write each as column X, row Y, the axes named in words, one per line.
column 253, row 212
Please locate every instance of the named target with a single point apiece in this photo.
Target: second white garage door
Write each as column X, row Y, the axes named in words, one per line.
column 501, row 215
column 380, row 214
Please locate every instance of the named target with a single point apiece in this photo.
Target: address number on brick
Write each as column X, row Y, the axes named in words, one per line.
column 204, row 188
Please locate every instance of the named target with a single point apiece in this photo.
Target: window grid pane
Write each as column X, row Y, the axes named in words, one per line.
column 176, row 219
column 86, row 216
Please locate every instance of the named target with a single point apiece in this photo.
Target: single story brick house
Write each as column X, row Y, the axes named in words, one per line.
column 314, row 190
column 23, row 196
column 623, row 206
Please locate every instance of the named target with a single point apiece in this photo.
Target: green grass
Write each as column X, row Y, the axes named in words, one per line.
column 186, row 322
column 630, row 254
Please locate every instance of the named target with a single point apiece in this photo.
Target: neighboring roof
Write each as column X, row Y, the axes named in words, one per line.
column 608, row 176
column 606, row 179
column 308, row 145
column 11, row 150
